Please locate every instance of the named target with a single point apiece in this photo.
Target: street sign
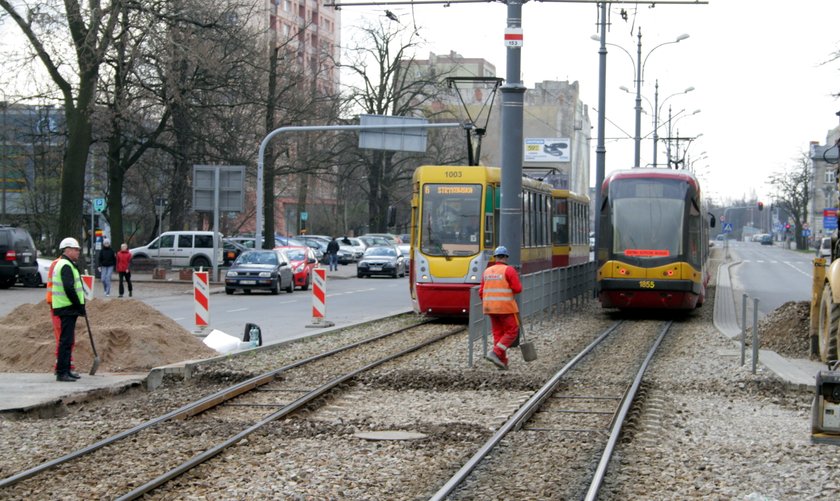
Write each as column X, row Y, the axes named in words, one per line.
column 513, row 37
column 806, row 232
column 304, row 216
column 727, row 227
column 99, row 204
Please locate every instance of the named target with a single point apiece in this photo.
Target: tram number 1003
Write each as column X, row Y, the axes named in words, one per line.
column 453, row 173
column 647, row 284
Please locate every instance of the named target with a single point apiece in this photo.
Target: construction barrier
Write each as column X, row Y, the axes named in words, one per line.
column 201, row 294
column 87, row 285
column 319, row 299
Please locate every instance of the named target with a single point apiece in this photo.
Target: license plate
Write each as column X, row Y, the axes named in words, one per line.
column 248, row 282
column 375, row 268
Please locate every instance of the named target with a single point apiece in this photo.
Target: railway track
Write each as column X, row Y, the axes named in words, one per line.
column 578, row 412
column 179, row 441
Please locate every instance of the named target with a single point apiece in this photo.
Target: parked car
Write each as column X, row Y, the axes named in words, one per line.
column 231, row 249
column 43, row 272
column 406, row 252
column 345, row 256
column 260, row 270
column 279, row 240
column 303, row 261
column 766, row 239
column 371, row 241
column 183, row 248
column 17, row 257
column 391, row 238
column 824, row 250
column 381, row 260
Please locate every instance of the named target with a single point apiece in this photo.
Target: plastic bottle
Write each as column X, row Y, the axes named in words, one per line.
column 254, row 336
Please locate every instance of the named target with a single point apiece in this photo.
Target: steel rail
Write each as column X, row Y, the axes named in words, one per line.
column 193, row 408
column 601, row 471
column 288, row 409
column 516, row 421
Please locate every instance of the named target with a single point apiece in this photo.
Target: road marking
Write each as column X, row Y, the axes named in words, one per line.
column 238, row 309
column 797, row 269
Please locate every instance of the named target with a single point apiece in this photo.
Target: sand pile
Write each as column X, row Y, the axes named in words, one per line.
column 130, row 336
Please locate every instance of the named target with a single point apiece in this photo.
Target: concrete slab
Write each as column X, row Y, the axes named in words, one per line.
column 39, row 392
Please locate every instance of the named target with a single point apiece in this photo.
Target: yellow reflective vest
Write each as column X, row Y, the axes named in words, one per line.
column 59, row 295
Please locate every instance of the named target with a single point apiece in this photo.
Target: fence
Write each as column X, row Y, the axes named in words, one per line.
column 544, row 294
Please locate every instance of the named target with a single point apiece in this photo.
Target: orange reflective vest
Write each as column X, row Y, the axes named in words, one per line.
column 496, row 291
column 49, row 281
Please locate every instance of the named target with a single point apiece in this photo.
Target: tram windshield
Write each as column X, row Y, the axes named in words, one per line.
column 451, row 219
column 648, row 217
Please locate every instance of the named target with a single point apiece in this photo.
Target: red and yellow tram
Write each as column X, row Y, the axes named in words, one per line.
column 455, row 227
column 653, row 247
column 570, row 229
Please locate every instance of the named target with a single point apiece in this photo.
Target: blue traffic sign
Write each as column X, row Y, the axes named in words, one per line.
column 727, row 227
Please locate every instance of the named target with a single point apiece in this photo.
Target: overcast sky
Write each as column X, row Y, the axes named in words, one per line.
column 760, row 71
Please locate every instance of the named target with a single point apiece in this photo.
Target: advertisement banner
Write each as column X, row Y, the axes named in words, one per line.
column 544, row 150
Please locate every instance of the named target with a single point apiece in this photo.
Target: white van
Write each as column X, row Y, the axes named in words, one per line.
column 824, row 250
column 184, row 248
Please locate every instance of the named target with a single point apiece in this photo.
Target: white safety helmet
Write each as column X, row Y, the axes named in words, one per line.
column 69, row 242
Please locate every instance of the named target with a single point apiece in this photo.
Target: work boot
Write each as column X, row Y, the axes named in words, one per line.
column 74, row 375
column 129, row 293
column 65, row 378
column 492, row 357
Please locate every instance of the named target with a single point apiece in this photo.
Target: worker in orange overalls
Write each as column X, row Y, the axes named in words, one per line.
column 499, row 284
column 56, row 323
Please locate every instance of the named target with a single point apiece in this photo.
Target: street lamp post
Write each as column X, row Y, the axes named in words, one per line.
column 638, row 67
column 656, row 110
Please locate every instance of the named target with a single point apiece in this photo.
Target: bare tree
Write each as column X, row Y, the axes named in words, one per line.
column 792, row 189
column 90, row 28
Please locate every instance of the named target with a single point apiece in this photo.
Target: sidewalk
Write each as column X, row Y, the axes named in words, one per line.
column 798, row 372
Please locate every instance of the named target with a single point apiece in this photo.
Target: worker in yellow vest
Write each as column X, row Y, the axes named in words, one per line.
column 56, row 321
column 499, row 284
column 68, row 303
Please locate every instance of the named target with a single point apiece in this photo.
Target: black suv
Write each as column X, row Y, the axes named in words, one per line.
column 17, row 257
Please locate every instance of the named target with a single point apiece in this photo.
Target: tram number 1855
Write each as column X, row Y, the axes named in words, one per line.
column 647, row 284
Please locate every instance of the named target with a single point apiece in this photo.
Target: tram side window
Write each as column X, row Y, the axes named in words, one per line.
column 695, row 236
column 490, row 207
column 561, row 223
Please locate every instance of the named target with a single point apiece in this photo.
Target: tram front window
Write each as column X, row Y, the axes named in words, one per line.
column 451, row 219
column 648, row 227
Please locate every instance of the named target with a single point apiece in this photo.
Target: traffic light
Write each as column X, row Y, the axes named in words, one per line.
column 760, row 205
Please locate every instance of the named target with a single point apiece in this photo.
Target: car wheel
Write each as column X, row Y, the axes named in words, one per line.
column 276, row 289
column 246, row 291
column 291, row 287
column 305, row 286
column 228, row 291
column 5, row 284
column 359, row 275
column 201, row 262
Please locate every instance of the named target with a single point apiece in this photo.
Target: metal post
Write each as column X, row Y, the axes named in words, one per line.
column 5, row 105
column 655, row 121
column 214, row 264
column 755, row 335
column 743, row 327
column 600, row 149
column 513, row 93
column 668, row 149
column 638, row 137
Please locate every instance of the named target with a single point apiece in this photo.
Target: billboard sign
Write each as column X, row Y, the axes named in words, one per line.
column 547, row 150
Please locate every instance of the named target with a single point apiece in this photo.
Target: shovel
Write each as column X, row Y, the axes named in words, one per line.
column 529, row 351
column 93, row 346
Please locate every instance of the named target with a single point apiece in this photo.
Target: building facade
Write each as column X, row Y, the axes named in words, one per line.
column 824, row 198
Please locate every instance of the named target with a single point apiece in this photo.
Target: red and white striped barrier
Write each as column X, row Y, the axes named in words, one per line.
column 87, row 286
column 201, row 294
column 319, row 299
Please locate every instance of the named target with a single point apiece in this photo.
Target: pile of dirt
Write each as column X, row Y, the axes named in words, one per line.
column 786, row 330
column 130, row 336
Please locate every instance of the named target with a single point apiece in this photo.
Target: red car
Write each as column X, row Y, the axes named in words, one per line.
column 303, row 261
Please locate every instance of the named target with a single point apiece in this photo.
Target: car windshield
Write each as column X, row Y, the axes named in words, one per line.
column 380, row 251
column 257, row 258
column 295, row 255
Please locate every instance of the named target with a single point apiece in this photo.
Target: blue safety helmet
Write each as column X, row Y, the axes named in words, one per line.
column 501, row 251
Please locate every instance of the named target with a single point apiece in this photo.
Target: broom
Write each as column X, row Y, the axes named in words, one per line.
column 93, row 346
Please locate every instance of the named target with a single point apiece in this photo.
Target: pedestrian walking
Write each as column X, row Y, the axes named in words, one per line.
column 107, row 261
column 68, row 303
column 499, row 285
column 332, row 252
column 124, row 268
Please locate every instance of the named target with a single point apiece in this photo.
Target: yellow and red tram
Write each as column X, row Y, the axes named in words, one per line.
column 455, row 227
column 570, row 229
column 653, row 247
